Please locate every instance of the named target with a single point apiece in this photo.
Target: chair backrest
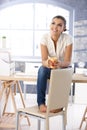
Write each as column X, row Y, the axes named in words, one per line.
column 59, row 88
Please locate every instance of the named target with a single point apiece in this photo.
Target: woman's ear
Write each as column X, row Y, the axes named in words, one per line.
column 65, row 28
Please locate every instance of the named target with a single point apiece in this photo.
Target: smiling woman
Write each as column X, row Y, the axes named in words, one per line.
column 24, row 24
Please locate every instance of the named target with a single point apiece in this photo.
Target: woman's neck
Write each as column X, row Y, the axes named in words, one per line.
column 55, row 38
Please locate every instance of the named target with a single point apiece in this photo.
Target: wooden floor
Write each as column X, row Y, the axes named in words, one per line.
column 75, row 113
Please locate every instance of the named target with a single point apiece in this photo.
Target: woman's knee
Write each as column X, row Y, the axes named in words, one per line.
column 43, row 70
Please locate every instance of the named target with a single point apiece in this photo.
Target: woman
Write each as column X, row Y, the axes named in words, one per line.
column 56, row 52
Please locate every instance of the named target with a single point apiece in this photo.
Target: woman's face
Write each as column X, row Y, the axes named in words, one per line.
column 57, row 26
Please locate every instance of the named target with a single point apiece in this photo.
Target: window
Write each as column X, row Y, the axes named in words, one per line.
column 24, row 24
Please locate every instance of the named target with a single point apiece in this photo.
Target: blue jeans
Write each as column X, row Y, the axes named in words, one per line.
column 43, row 75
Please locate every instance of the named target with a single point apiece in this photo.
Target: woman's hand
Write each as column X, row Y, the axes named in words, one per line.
column 53, row 63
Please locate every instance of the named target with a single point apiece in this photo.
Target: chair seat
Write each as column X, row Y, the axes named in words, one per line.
column 34, row 110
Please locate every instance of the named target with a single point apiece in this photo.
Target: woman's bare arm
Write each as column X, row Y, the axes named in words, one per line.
column 67, row 57
column 44, row 55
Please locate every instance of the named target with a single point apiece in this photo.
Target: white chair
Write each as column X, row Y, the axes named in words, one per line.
column 59, row 88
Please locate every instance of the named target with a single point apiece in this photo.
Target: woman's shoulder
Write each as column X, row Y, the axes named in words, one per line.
column 67, row 38
column 66, row 35
column 44, row 39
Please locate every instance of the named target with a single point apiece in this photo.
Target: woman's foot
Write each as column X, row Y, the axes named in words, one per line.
column 42, row 108
column 56, row 110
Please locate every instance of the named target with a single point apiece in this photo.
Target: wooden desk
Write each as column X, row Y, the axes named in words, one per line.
column 19, row 77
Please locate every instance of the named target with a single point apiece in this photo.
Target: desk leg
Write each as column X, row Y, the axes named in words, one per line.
column 83, row 118
column 1, row 95
column 6, row 96
column 20, row 91
column 1, row 92
column 86, row 126
column 7, row 85
column 13, row 100
column 7, row 89
column 6, row 101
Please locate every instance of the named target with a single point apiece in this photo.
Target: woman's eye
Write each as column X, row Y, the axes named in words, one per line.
column 59, row 25
column 53, row 23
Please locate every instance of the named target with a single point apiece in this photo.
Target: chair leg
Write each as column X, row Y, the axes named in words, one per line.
column 17, row 120
column 46, row 124
column 63, row 123
column 86, row 127
column 39, row 124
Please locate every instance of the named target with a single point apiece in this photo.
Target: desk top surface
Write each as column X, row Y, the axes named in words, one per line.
column 19, row 77
column 79, row 78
